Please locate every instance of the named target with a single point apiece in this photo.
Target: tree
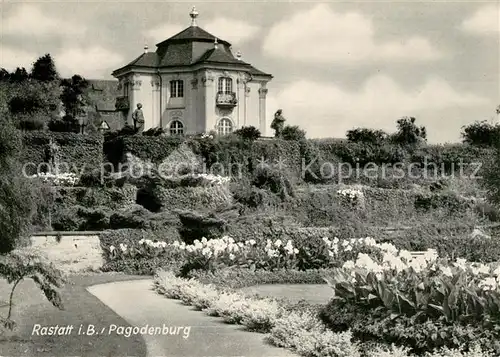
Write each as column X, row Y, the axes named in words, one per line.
column 18, row 205
column 293, row 133
column 4, row 75
column 44, row 69
column 364, row 135
column 19, row 75
column 248, row 133
column 73, row 95
column 408, row 133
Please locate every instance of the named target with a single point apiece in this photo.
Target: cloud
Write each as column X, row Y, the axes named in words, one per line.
column 486, row 20
column 327, row 110
column 233, row 31
column 323, row 36
column 161, row 33
column 93, row 62
column 11, row 58
column 29, row 20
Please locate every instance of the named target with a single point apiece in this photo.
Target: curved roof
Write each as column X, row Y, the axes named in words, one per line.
column 192, row 33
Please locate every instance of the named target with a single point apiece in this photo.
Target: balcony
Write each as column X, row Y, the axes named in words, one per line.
column 122, row 103
column 226, row 100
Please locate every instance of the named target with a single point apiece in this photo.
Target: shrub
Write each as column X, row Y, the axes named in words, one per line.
column 248, row 133
column 481, row 133
column 293, row 133
column 154, row 132
column 408, row 133
column 273, row 179
column 364, row 135
column 197, row 226
column 67, row 124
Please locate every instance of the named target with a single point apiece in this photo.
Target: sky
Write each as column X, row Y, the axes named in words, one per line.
column 336, row 65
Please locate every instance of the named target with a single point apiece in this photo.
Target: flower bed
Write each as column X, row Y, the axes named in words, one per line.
column 422, row 302
column 287, row 326
column 214, row 254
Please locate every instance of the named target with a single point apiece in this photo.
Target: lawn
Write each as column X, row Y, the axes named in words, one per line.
column 80, row 308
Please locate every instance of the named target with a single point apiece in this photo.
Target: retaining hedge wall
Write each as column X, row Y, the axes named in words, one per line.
column 80, row 152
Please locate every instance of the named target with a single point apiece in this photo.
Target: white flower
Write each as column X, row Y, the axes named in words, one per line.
column 430, row 255
column 446, row 271
column 488, row 284
column 251, row 242
column 348, row 248
column 112, row 248
column 496, row 272
column 278, row 243
column 231, row 256
column 295, row 250
column 406, row 255
column 461, row 263
column 348, row 265
column 123, row 247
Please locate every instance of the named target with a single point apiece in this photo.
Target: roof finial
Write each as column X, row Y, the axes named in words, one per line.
column 216, row 43
column 194, row 15
column 238, row 55
column 146, row 48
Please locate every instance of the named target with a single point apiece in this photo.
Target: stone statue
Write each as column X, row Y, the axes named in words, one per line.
column 138, row 118
column 278, row 123
column 52, row 155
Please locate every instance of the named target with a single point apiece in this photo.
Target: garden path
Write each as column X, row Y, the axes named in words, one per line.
column 138, row 304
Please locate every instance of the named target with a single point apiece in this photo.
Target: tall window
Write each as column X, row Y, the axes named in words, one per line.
column 177, row 89
column 176, row 128
column 225, row 127
column 225, row 85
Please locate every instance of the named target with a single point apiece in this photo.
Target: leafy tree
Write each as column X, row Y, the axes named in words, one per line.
column 364, row 135
column 44, row 69
column 408, row 133
column 19, row 75
column 293, row 133
column 481, row 133
column 18, row 205
column 4, row 75
column 248, row 133
column 73, row 95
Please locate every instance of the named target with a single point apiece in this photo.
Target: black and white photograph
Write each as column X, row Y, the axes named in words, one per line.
column 249, row 178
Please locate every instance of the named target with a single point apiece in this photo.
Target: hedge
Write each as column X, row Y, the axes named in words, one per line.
column 79, row 152
column 153, row 148
column 111, row 197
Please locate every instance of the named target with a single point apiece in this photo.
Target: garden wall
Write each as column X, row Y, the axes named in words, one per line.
column 75, row 252
column 76, row 150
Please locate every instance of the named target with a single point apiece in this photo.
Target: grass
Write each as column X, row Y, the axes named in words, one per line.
column 81, row 307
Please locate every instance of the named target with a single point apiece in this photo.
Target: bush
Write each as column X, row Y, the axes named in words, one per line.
column 248, row 133
column 293, row 133
column 408, row 133
column 364, row 135
column 198, row 226
column 154, row 132
column 67, row 124
column 274, row 180
column 481, row 133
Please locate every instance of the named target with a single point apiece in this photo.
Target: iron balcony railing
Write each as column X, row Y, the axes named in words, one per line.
column 226, row 99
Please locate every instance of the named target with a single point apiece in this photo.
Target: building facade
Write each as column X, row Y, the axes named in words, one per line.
column 193, row 84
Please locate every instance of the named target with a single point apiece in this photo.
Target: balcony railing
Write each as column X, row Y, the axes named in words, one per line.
column 226, row 100
column 122, row 103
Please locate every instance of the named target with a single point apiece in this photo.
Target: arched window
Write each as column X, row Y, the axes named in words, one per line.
column 225, row 85
column 176, row 128
column 224, row 127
